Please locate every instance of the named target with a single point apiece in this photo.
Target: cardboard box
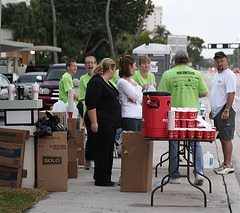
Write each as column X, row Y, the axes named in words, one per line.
column 73, row 169
column 52, row 162
column 136, row 163
column 60, row 114
column 11, row 154
column 72, row 153
column 81, row 139
column 81, row 156
column 13, row 135
column 10, row 177
column 73, row 124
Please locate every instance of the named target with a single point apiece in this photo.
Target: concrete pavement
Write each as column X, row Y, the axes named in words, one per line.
column 84, row 196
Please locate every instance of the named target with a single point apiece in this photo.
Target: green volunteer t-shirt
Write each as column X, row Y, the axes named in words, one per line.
column 140, row 80
column 185, row 85
column 82, row 89
column 114, row 79
column 83, row 86
column 64, row 85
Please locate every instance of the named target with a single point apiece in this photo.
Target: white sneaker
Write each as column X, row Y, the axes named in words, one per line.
column 119, row 181
column 218, row 168
column 198, row 180
column 225, row 169
column 88, row 165
column 172, row 180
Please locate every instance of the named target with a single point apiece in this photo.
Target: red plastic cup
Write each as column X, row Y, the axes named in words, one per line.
column 191, row 133
column 70, row 114
column 176, row 133
column 191, row 123
column 182, row 133
column 170, row 133
column 212, row 133
column 183, row 113
column 199, row 134
column 177, row 123
column 192, row 113
column 206, row 134
column 184, row 123
column 177, row 113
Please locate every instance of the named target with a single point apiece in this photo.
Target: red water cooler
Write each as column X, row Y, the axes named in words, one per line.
column 155, row 118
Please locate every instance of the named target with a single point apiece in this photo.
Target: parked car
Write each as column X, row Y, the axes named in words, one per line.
column 30, row 78
column 12, row 77
column 37, row 68
column 4, row 82
column 3, row 62
column 49, row 89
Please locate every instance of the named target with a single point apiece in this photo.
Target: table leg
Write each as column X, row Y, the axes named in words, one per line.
column 160, row 162
column 188, row 171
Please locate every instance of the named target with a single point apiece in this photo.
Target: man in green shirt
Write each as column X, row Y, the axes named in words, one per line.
column 186, row 86
column 66, row 82
column 143, row 77
column 90, row 64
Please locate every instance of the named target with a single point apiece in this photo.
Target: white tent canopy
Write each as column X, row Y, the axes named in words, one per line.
column 154, row 49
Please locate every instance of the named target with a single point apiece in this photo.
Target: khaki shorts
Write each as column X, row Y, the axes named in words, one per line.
column 225, row 127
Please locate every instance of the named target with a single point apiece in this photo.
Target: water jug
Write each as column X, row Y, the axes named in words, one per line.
column 208, row 160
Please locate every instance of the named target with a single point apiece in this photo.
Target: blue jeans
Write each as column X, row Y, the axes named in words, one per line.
column 199, row 157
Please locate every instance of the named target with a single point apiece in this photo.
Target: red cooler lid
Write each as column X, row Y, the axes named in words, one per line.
column 157, row 93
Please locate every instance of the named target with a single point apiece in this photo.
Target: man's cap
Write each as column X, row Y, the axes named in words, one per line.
column 220, row 54
column 181, row 53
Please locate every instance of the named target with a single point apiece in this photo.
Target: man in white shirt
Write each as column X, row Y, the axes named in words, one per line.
column 224, row 109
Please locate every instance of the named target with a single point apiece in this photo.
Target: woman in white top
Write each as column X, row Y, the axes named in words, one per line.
column 130, row 95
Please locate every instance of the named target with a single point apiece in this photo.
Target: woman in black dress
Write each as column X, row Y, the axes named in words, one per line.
column 103, row 115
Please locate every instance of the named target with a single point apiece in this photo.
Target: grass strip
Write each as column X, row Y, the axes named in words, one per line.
column 14, row 200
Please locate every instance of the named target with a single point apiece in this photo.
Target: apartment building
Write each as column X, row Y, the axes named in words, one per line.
column 154, row 19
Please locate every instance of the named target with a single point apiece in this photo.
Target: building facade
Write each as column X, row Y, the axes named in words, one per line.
column 154, row 19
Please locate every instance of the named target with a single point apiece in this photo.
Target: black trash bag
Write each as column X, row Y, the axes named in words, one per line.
column 45, row 126
column 42, row 129
column 53, row 119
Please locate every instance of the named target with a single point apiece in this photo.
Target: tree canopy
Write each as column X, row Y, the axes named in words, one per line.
column 80, row 24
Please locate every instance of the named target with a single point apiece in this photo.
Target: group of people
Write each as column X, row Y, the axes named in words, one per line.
column 112, row 99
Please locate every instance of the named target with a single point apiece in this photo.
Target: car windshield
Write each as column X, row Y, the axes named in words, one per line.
column 56, row 73
column 3, row 80
column 29, row 78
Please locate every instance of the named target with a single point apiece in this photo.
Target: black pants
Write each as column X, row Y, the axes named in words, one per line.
column 89, row 152
column 103, row 159
column 131, row 124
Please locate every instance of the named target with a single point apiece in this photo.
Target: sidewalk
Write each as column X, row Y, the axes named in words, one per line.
column 83, row 196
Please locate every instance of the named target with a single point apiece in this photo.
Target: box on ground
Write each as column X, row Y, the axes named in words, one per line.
column 11, row 154
column 10, row 177
column 81, row 155
column 136, row 163
column 72, row 152
column 52, row 162
column 13, row 135
column 73, row 124
column 60, row 114
column 81, row 140
column 73, row 169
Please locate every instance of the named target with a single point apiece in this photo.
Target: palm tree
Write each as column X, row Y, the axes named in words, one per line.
column 161, row 34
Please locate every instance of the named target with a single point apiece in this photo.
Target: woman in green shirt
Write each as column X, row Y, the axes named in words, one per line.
column 143, row 77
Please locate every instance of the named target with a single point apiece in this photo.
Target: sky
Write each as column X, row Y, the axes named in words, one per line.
column 214, row 21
